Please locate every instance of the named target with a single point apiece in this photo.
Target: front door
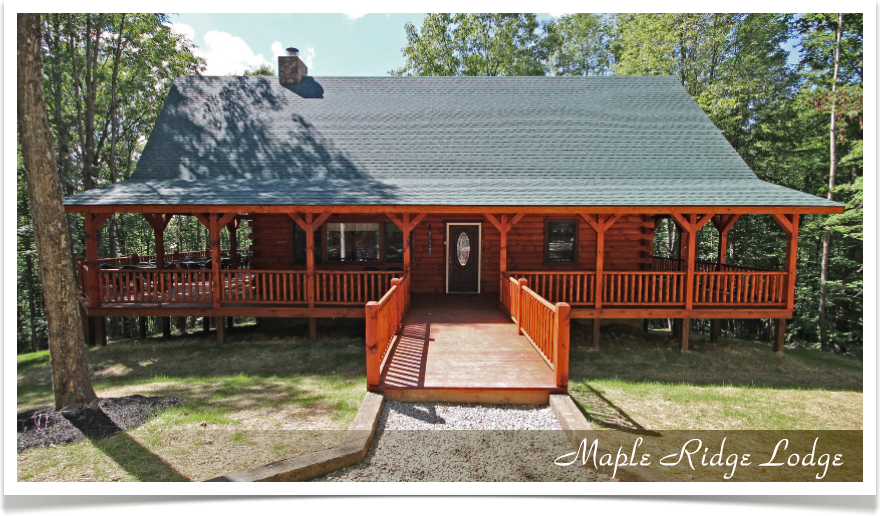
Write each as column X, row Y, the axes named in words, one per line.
column 463, row 258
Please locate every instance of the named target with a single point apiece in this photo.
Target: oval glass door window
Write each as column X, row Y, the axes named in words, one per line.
column 463, row 248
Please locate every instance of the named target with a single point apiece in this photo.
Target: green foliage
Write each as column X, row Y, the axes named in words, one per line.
column 263, row 69
column 580, row 44
column 472, row 44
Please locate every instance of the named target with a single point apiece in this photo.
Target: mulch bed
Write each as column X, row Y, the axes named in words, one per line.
column 46, row 427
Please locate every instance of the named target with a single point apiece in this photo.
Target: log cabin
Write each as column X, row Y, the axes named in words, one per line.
column 392, row 198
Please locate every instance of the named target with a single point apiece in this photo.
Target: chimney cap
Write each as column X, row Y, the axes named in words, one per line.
column 292, row 51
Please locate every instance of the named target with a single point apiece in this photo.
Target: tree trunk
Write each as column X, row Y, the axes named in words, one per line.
column 70, row 371
column 826, row 238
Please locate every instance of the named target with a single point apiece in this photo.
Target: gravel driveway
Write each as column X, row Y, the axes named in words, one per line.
column 487, row 443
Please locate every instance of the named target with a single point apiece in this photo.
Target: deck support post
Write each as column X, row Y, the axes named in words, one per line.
column 206, row 323
column 563, row 336
column 166, row 327
column 142, row 327
column 88, row 334
column 100, row 331
column 685, row 334
column 597, row 332
column 778, row 335
column 221, row 331
column 181, row 325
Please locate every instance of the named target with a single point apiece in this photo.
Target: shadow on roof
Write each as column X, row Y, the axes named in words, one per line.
column 246, row 130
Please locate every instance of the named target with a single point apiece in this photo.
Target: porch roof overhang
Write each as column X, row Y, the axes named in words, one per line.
column 653, row 197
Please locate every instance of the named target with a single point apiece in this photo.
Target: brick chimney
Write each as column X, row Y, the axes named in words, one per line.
column 291, row 69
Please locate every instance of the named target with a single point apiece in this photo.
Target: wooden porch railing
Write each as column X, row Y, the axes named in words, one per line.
column 249, row 286
column 728, row 288
column 135, row 259
column 154, row 286
column 678, row 265
column 352, row 287
column 545, row 325
column 383, row 319
column 573, row 287
column 739, row 288
column 643, row 288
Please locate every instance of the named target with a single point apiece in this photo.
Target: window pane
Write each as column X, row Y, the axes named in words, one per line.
column 352, row 242
column 560, row 241
column 393, row 243
column 299, row 245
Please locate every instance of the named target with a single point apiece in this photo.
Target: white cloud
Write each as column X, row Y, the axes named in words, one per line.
column 182, row 28
column 227, row 54
column 307, row 55
column 557, row 15
column 354, row 16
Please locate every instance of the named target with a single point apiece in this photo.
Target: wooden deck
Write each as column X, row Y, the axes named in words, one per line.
column 464, row 349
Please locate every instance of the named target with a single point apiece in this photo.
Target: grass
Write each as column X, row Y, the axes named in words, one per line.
column 642, row 385
column 253, row 401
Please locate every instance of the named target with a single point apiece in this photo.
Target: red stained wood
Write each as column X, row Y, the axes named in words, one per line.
column 462, row 342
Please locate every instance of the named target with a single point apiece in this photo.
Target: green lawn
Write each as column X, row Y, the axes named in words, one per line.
column 642, row 385
column 250, row 402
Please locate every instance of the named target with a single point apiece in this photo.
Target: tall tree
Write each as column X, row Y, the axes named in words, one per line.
column 473, row 44
column 580, row 44
column 70, row 371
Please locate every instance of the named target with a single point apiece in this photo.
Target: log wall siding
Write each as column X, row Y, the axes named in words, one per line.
column 629, row 244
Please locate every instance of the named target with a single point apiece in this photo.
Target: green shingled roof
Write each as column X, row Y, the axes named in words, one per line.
column 488, row 141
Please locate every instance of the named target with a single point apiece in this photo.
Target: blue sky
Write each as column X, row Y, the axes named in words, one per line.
column 330, row 44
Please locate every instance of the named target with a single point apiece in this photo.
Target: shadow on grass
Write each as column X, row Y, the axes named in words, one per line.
column 630, row 355
column 129, row 454
column 599, row 409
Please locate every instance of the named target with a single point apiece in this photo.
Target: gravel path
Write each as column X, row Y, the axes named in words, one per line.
column 490, row 443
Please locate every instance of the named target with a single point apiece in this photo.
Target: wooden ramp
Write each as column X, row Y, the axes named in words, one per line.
column 464, row 349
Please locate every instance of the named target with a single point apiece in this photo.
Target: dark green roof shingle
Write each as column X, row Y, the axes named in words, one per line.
column 573, row 141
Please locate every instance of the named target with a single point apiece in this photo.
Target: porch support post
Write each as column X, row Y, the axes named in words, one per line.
column 233, row 244
column 310, row 224
column 407, row 252
column 142, row 327
column 159, row 222
column 791, row 225
column 503, row 228
column 92, row 224
column 691, row 225
column 723, row 223
column 310, row 273
column 600, row 225
column 778, row 335
column 216, row 286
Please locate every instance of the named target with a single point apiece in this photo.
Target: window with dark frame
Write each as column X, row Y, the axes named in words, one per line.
column 560, row 241
column 353, row 242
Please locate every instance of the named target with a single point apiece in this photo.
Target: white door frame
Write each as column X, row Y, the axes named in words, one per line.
column 479, row 260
